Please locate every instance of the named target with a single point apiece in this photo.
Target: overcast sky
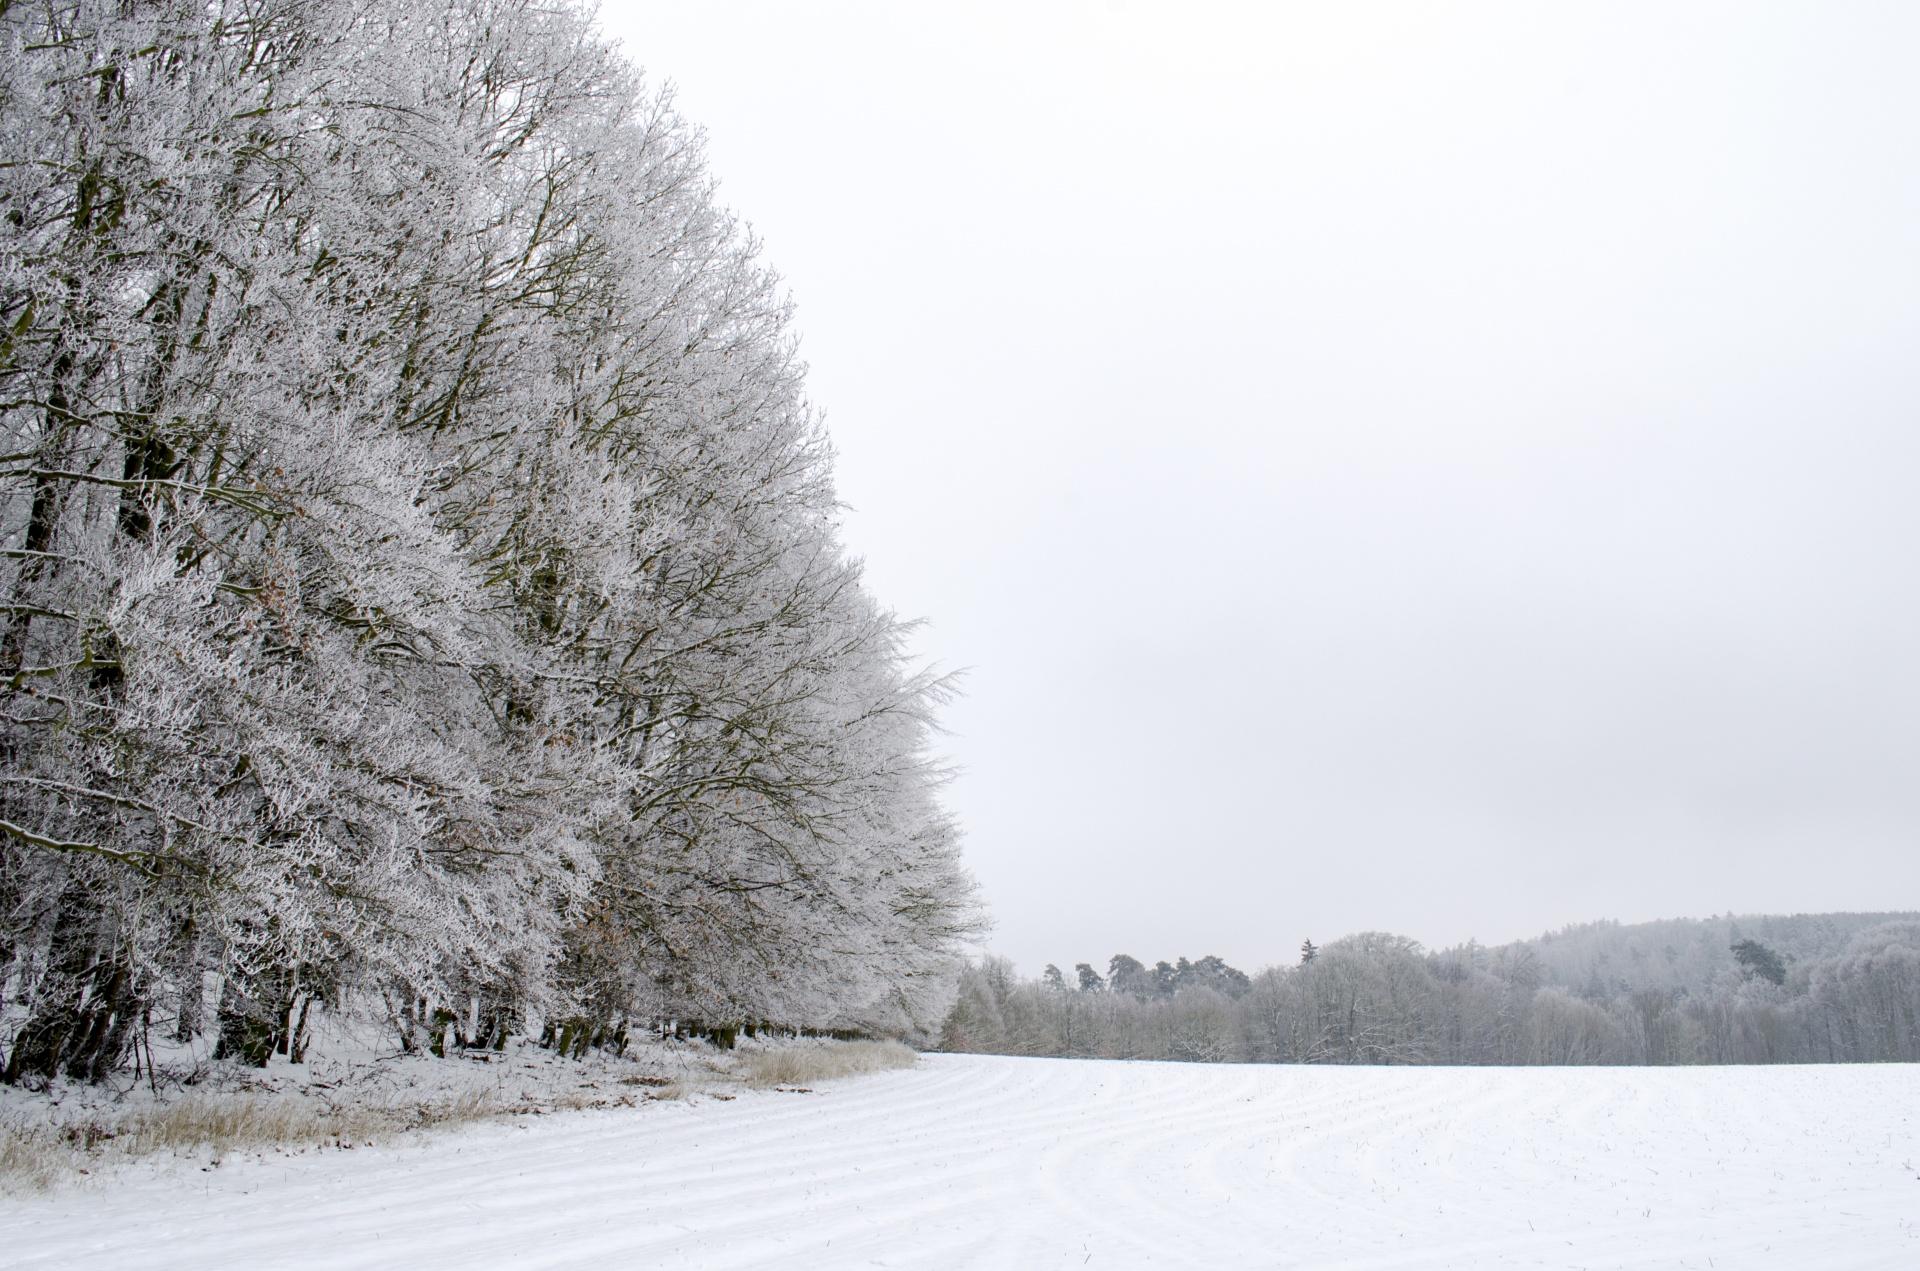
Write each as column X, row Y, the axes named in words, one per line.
column 1448, row 469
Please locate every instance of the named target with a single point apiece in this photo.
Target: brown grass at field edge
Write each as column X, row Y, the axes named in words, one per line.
column 826, row 1061
column 35, row 1156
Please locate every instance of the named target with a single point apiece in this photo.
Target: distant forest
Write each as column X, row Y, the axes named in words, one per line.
column 1810, row 988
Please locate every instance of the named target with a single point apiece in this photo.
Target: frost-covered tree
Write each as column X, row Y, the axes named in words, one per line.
column 1127, row 974
column 420, row 566
column 1867, row 999
column 1210, row 972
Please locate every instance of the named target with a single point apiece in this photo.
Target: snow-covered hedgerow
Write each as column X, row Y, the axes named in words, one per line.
column 420, row 579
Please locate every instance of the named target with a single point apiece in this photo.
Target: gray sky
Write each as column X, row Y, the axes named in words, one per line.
column 1438, row 468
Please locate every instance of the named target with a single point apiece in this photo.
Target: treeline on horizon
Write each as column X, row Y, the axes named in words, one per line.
column 1821, row 988
column 420, row 584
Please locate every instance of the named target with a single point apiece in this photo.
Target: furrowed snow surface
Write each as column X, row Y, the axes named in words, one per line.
column 977, row 1161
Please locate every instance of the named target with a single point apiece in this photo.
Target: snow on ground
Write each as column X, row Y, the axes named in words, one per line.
column 978, row 1161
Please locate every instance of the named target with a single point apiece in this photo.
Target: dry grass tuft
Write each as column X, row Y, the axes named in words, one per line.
column 36, row 1156
column 239, row 1122
column 823, row 1061
column 29, row 1160
column 236, row 1122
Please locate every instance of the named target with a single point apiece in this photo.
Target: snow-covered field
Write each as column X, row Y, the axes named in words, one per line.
column 975, row 1161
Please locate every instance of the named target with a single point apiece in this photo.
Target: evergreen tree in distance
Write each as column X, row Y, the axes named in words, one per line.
column 1128, row 975
column 1757, row 961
